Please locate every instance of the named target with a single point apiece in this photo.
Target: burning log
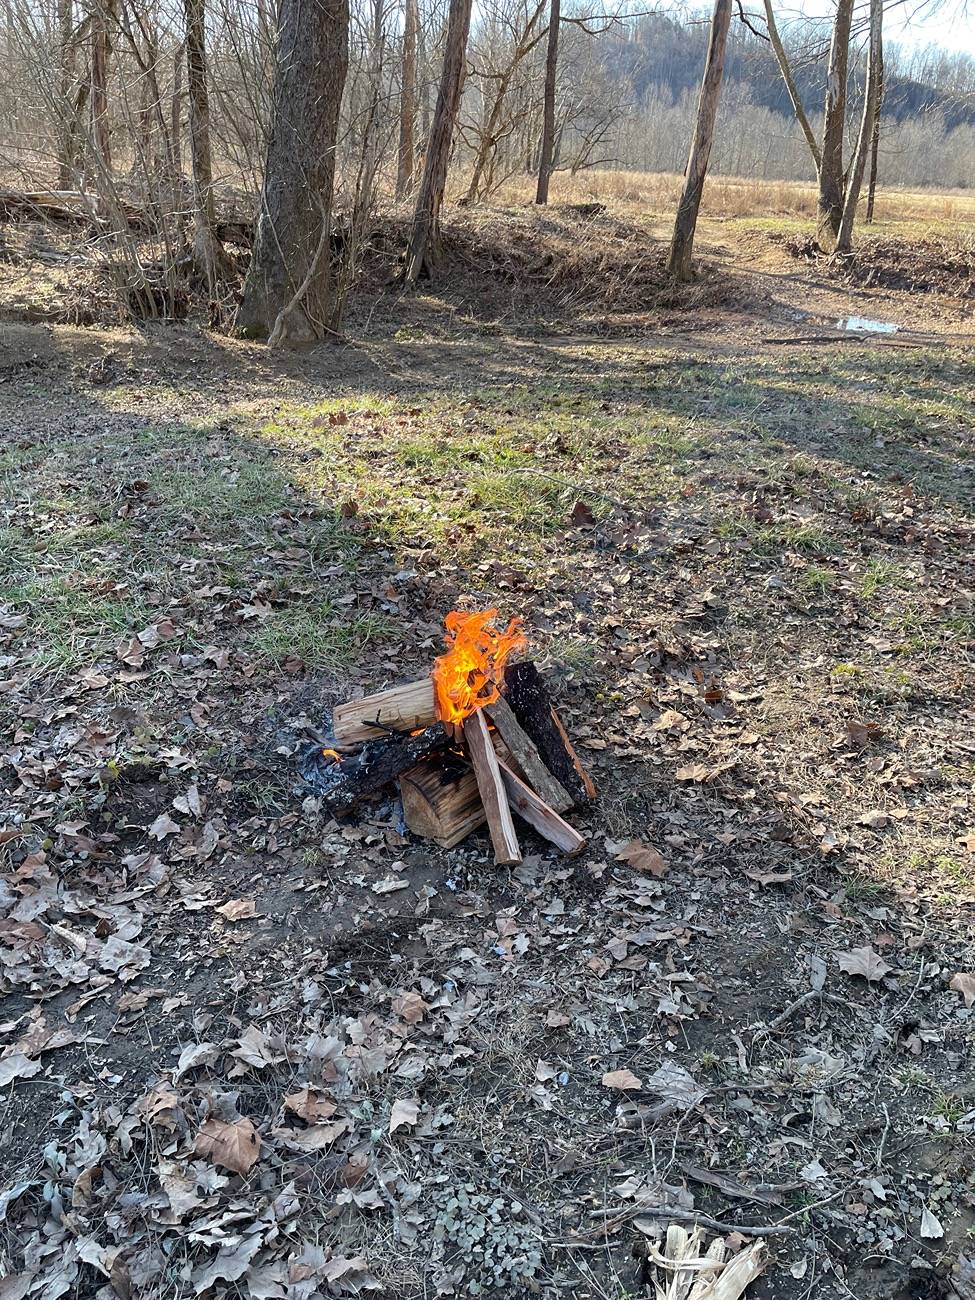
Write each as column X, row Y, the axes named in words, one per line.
column 441, row 802
column 527, row 759
column 409, row 707
column 528, row 696
column 537, row 813
column 344, row 782
column 492, row 790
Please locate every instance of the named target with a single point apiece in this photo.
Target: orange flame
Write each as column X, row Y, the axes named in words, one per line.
column 467, row 677
column 333, row 754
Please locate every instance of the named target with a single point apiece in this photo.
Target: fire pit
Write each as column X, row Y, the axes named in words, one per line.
column 477, row 741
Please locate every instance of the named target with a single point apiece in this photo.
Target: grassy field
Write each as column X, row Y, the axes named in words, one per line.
column 727, row 197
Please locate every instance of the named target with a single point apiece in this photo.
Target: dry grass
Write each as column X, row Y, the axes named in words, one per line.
column 656, row 193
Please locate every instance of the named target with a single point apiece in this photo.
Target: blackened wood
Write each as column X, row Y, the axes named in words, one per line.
column 528, row 761
column 345, row 783
column 537, row 813
column 526, row 692
column 491, row 786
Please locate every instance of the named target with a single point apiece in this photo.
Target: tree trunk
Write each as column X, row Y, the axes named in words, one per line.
column 546, row 161
column 101, row 48
column 831, row 187
column 406, row 160
column 875, row 136
column 782, row 59
column 289, row 295
column 176, row 116
column 682, row 244
column 844, row 238
column 67, row 125
column 208, row 252
column 424, row 250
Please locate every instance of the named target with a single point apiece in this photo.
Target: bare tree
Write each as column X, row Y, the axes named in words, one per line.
column 498, row 121
column 875, row 135
column 867, row 121
column 682, row 243
column 289, row 293
column 831, row 176
column 775, row 40
column 546, row 161
column 406, row 152
column 101, row 49
column 67, row 120
column 208, row 252
column 423, row 252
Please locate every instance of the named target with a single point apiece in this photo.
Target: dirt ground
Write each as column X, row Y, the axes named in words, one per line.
column 250, row 1052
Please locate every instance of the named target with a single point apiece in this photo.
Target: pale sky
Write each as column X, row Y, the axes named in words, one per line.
column 915, row 23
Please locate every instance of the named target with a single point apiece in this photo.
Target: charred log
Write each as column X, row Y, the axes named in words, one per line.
column 345, row 782
column 526, row 692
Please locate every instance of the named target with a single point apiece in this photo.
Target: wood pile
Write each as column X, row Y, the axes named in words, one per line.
column 503, row 753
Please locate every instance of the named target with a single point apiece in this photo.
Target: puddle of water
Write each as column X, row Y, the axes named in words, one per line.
column 862, row 325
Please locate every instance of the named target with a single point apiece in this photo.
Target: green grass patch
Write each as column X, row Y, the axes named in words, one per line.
column 317, row 635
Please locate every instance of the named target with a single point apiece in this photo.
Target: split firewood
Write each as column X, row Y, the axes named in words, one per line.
column 492, row 790
column 537, row 813
column 528, row 760
column 528, row 696
column 441, row 801
column 408, row 707
column 343, row 781
column 682, row 1271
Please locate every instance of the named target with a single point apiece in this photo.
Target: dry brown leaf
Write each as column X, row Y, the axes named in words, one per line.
column 410, row 1007
column 861, row 733
column 404, row 1113
column 642, row 857
column 875, row 818
column 964, row 983
column 309, row 1105
column 163, row 826
column 581, row 515
column 232, row 1146
column 317, row 1138
column 863, row 961
column 621, row 1081
column 237, row 909
column 693, row 772
column 770, row 877
column 17, row 1066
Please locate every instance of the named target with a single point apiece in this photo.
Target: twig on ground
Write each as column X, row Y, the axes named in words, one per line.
column 677, row 1215
column 793, row 1007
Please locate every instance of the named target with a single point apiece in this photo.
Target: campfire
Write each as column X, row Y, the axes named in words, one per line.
column 478, row 740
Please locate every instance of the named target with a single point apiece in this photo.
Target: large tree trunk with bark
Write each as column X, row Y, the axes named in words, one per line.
column 208, row 252
column 423, row 253
column 67, row 124
column 546, row 161
column 831, row 176
column 406, row 154
column 289, row 295
column 875, row 136
column 682, row 244
column 101, row 50
column 844, row 238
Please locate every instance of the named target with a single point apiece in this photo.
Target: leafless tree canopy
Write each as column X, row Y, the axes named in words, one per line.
column 168, row 108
